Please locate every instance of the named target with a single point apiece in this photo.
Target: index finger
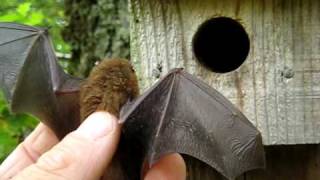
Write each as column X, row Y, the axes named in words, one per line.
column 26, row 153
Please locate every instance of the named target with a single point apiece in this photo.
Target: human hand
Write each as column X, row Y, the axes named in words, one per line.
column 79, row 154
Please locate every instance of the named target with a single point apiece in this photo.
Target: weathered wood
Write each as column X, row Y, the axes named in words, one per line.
column 290, row 162
column 277, row 87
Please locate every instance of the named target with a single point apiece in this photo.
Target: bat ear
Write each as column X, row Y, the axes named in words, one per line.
column 221, row 44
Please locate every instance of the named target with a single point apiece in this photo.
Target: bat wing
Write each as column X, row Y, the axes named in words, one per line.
column 33, row 81
column 182, row 114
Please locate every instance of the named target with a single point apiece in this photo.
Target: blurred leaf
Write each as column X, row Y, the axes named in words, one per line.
column 10, row 17
column 4, row 109
column 35, row 18
column 13, row 127
column 24, row 8
column 7, row 144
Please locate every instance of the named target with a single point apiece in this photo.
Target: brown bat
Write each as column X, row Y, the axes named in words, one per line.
column 110, row 85
column 180, row 113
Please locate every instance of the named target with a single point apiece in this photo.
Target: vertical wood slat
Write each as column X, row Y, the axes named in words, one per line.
column 299, row 162
column 289, row 163
column 277, row 87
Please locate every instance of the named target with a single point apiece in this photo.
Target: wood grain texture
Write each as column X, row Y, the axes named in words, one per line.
column 277, row 87
column 285, row 162
column 290, row 162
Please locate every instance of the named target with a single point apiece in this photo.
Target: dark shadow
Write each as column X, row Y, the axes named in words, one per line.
column 221, row 44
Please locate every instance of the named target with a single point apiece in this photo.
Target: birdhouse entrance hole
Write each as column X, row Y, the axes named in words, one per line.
column 221, row 44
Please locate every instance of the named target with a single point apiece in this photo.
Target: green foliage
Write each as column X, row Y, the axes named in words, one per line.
column 96, row 30
column 13, row 127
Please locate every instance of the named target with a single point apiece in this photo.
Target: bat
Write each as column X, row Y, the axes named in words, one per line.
column 33, row 82
column 179, row 113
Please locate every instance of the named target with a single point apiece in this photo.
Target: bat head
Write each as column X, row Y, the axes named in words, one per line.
column 109, row 86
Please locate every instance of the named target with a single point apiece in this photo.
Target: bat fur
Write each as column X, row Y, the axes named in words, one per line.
column 110, row 85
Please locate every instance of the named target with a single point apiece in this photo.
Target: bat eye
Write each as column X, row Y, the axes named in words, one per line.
column 221, row 44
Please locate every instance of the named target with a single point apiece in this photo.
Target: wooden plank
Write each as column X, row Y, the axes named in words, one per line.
column 277, row 87
column 285, row 162
column 291, row 162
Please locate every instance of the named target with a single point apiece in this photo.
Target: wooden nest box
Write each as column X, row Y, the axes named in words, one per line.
column 264, row 56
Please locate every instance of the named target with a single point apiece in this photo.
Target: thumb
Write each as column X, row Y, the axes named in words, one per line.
column 82, row 154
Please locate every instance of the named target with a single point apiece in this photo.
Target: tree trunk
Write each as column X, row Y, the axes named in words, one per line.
column 97, row 29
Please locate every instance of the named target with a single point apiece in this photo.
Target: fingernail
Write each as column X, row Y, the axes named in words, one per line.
column 97, row 125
